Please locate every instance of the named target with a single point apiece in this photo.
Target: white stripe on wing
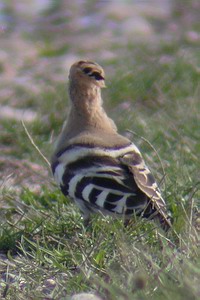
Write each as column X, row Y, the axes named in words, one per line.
column 73, row 154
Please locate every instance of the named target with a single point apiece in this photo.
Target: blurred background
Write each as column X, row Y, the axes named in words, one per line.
column 40, row 39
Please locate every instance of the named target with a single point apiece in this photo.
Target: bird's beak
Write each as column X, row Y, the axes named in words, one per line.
column 102, row 84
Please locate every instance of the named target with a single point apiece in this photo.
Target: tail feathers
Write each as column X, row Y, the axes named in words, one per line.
column 160, row 217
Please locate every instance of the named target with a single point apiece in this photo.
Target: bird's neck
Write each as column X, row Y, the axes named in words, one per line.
column 85, row 101
column 86, row 111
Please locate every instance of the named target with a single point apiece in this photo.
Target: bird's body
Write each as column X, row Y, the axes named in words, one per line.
column 95, row 166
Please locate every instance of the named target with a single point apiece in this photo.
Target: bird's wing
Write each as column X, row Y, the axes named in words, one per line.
column 146, row 182
column 105, row 183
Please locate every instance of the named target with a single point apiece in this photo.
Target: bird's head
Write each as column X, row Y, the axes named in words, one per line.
column 87, row 73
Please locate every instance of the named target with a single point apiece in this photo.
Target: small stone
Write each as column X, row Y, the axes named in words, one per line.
column 85, row 296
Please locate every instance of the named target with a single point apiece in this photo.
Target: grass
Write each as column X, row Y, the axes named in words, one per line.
column 48, row 254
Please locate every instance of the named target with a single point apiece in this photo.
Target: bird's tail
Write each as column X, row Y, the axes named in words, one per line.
column 158, row 215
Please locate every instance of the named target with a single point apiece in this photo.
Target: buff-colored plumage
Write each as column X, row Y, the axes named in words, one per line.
column 95, row 166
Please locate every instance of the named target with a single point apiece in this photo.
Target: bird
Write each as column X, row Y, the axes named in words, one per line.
column 95, row 166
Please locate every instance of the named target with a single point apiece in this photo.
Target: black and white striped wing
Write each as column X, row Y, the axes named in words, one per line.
column 104, row 183
column 114, row 180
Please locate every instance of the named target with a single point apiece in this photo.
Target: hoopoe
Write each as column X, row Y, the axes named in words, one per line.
column 99, row 169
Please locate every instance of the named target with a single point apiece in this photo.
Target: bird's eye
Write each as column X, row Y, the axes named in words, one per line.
column 87, row 70
column 96, row 75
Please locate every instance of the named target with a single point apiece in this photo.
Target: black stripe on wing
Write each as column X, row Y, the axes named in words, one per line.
column 94, row 195
column 111, row 197
column 80, row 187
column 109, row 206
column 91, row 160
column 54, row 166
column 110, row 183
column 67, row 176
column 138, row 200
